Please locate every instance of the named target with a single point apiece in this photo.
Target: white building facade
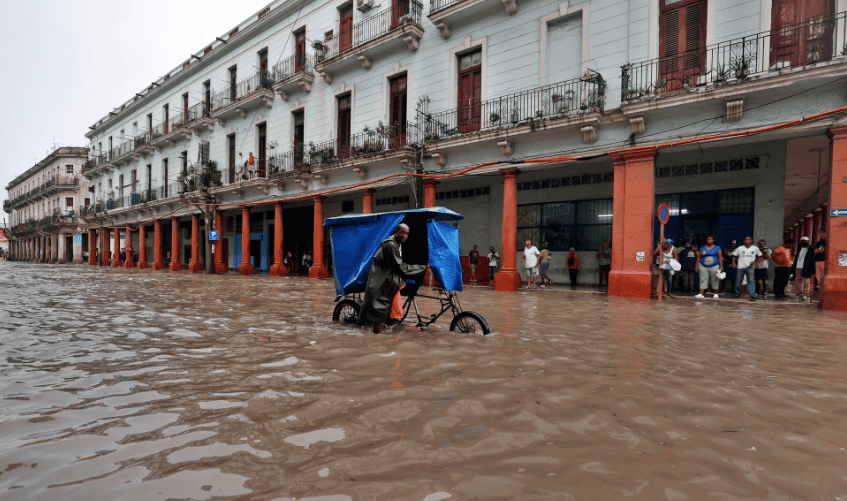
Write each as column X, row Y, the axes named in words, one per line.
column 312, row 106
column 44, row 206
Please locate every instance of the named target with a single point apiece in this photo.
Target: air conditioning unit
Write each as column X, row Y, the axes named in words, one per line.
column 364, row 5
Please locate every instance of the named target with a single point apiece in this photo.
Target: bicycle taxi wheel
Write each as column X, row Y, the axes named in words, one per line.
column 469, row 323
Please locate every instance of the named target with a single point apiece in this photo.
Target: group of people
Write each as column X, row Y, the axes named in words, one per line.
column 741, row 270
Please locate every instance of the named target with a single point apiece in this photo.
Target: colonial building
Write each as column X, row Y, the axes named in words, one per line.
column 559, row 122
column 44, row 206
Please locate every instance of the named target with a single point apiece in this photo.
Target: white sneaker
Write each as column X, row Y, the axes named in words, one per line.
column 715, row 296
column 699, row 296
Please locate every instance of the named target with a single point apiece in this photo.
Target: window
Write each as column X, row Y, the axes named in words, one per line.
column 299, row 49
column 165, row 117
column 564, row 49
column 207, row 95
column 582, row 225
column 69, row 202
column 682, row 42
column 233, row 83
column 726, row 214
column 69, row 169
column 345, row 28
column 344, row 105
column 397, row 111
column 470, row 91
column 87, row 202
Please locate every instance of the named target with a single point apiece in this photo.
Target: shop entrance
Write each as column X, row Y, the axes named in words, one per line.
column 297, row 234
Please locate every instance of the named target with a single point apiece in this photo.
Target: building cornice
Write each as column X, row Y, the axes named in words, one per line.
column 63, row 152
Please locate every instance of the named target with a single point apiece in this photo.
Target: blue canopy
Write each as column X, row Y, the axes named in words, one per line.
column 355, row 239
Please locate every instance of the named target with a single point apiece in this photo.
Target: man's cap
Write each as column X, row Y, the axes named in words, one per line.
column 804, row 238
column 668, row 241
column 735, row 241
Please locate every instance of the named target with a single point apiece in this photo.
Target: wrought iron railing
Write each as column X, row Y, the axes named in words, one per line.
column 817, row 40
column 293, row 65
column 579, row 95
column 261, row 80
column 141, row 140
column 364, row 31
column 94, row 161
column 198, row 111
column 172, row 124
column 436, row 5
column 122, row 149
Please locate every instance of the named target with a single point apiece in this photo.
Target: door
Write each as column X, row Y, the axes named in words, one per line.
column 682, row 43
column 185, row 108
column 233, row 84
column 230, row 143
column 299, row 134
column 225, row 251
column 344, row 126
column 801, row 31
column 345, row 29
column 263, row 144
column 166, row 114
column 165, row 180
column 399, row 8
column 300, row 51
column 470, row 90
column 397, row 113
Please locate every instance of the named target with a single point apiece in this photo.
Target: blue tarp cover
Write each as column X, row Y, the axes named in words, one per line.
column 355, row 239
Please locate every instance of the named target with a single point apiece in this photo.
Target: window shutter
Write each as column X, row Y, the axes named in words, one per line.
column 693, row 36
column 670, row 40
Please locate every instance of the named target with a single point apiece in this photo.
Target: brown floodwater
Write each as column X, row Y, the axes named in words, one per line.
column 128, row 384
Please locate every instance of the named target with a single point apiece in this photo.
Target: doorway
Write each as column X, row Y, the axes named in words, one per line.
column 344, row 104
column 397, row 112
column 470, row 91
column 299, row 135
column 801, row 31
column 261, row 132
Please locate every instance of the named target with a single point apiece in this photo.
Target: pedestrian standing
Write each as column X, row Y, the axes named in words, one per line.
column 473, row 256
column 782, row 267
column 745, row 259
column 573, row 265
column 762, row 268
column 493, row 257
column 804, row 270
column 689, row 265
column 604, row 260
column 709, row 264
column 543, row 264
column 530, row 261
column 666, row 251
column 728, row 284
column 820, row 262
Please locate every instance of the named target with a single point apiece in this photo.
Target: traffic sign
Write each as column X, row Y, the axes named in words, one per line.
column 837, row 212
column 213, row 236
column 664, row 213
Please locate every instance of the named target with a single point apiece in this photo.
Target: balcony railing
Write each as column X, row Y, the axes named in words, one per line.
column 291, row 66
column 364, row 31
column 815, row 41
column 559, row 100
column 170, row 125
column 121, row 149
column 198, row 111
column 261, row 80
column 436, row 5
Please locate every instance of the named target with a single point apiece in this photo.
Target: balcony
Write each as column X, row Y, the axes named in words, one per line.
column 200, row 117
column 246, row 96
column 123, row 153
column 575, row 101
column 7, row 206
column 447, row 13
column 142, row 144
column 97, row 163
column 292, row 75
column 382, row 33
column 815, row 45
column 170, row 131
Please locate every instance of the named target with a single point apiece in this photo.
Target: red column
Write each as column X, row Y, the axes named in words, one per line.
column 92, row 248
column 175, row 264
column 817, row 228
column 245, row 268
column 809, row 223
column 194, row 265
column 104, row 247
column 507, row 279
column 318, row 269
column 116, row 257
column 158, row 265
column 429, row 193
column 220, row 266
column 835, row 280
column 278, row 269
column 142, row 248
column 632, row 224
column 368, row 201
column 129, row 263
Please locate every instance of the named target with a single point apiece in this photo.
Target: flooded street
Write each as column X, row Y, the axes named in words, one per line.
column 128, row 384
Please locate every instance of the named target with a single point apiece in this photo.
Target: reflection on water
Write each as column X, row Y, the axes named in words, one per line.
column 127, row 384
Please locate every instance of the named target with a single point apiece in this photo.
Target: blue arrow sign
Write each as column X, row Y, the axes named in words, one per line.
column 837, row 212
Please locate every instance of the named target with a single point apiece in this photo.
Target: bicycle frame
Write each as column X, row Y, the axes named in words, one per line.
column 449, row 301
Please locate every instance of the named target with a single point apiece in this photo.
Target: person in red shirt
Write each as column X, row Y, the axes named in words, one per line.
column 782, row 259
column 573, row 265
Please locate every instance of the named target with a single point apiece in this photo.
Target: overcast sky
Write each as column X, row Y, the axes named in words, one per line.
column 64, row 64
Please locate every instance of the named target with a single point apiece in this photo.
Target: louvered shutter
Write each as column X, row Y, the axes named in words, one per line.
column 682, row 43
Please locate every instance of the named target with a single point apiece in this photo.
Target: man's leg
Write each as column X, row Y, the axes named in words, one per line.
column 750, row 272
column 739, row 277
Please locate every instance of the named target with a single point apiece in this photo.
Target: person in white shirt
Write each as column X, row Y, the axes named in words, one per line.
column 492, row 264
column 745, row 259
column 530, row 261
column 762, row 269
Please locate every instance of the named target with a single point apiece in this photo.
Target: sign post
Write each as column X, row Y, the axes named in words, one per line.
column 664, row 214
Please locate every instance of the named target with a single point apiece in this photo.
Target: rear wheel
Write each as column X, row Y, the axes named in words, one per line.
column 468, row 322
column 346, row 311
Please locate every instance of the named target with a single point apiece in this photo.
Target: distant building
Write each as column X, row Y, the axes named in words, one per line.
column 44, row 205
column 4, row 244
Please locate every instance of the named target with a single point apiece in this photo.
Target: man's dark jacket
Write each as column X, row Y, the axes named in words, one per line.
column 388, row 271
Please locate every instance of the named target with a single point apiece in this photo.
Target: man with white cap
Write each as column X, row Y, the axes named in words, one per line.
column 804, row 270
column 745, row 259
